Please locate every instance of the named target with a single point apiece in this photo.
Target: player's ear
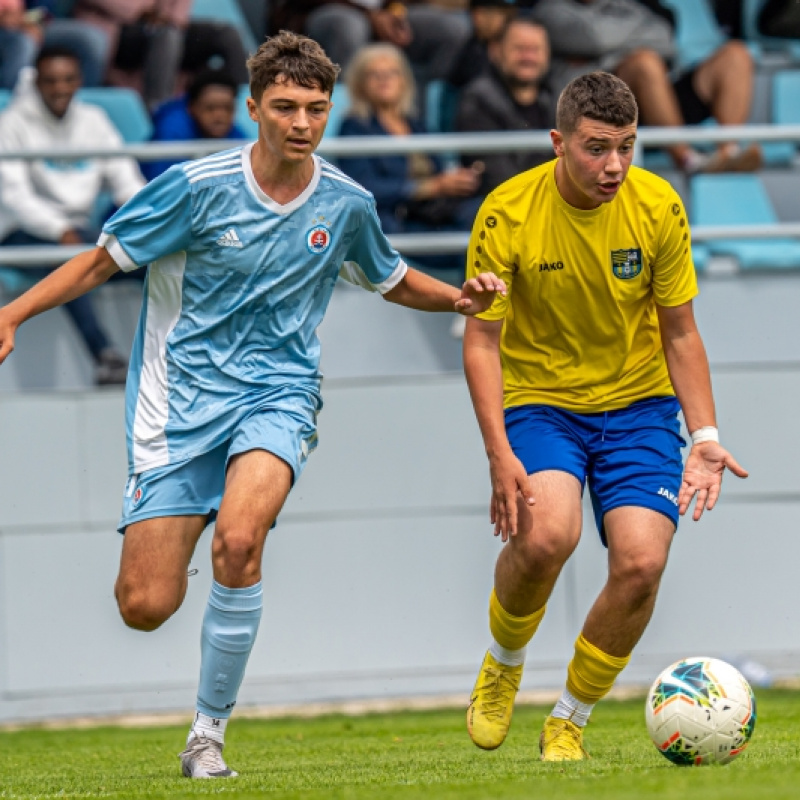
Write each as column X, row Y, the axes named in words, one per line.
column 252, row 109
column 557, row 138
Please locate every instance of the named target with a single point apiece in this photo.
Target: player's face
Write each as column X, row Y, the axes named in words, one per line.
column 593, row 161
column 291, row 120
column 57, row 80
column 213, row 111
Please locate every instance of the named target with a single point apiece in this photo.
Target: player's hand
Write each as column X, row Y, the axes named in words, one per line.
column 702, row 477
column 7, row 331
column 477, row 294
column 509, row 483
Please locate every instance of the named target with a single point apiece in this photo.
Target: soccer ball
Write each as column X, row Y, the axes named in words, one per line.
column 700, row 711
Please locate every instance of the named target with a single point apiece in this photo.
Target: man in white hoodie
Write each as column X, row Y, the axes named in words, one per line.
column 50, row 201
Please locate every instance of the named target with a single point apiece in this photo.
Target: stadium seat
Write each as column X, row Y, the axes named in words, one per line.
column 697, row 33
column 700, row 257
column 226, row 11
column 750, row 11
column 441, row 102
column 5, row 96
column 126, row 109
column 734, row 200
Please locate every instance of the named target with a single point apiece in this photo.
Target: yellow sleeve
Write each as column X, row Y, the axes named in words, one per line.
column 674, row 278
column 490, row 250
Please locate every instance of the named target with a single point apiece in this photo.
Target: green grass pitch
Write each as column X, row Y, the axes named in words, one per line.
column 403, row 755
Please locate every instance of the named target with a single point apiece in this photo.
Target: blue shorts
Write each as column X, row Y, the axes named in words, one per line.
column 195, row 485
column 629, row 457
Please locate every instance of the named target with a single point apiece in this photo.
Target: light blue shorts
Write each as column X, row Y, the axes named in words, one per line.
column 195, row 485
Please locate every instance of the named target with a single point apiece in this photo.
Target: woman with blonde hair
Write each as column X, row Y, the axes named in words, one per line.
column 413, row 192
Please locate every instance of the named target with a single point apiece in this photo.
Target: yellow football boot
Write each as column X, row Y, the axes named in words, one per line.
column 561, row 740
column 492, row 703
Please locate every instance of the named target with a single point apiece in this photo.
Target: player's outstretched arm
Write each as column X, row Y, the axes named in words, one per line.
column 76, row 277
column 421, row 291
column 485, row 381
column 688, row 370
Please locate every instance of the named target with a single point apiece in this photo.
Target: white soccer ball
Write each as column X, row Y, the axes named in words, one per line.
column 700, row 711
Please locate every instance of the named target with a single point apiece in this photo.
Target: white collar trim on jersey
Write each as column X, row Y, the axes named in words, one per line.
column 273, row 206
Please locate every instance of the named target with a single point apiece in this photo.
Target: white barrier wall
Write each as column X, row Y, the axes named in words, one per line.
column 377, row 576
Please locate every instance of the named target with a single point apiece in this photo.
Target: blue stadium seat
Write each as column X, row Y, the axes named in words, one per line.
column 226, row 11
column 700, row 256
column 126, row 109
column 750, row 11
column 5, row 97
column 697, row 33
column 441, row 105
column 734, row 200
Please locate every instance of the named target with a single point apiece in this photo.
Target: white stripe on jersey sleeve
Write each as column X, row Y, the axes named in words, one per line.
column 352, row 273
column 116, row 251
column 203, row 175
column 346, row 180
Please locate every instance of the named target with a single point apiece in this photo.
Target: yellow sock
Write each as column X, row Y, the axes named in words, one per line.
column 509, row 631
column 592, row 673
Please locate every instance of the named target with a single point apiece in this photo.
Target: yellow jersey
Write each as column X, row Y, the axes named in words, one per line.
column 581, row 330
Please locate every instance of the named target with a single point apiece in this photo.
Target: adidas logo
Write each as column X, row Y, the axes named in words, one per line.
column 230, row 239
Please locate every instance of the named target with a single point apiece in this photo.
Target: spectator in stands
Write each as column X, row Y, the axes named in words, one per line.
column 414, row 192
column 18, row 41
column 159, row 38
column 49, row 201
column 488, row 18
column 430, row 36
column 511, row 95
column 635, row 41
column 206, row 111
column 780, row 18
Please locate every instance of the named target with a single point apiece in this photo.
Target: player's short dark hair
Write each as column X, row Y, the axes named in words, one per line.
column 291, row 57
column 210, row 77
column 55, row 51
column 599, row 96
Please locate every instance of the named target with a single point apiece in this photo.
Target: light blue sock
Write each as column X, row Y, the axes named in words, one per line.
column 229, row 630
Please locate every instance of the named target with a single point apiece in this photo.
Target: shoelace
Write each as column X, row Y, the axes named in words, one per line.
column 499, row 690
column 566, row 740
column 207, row 753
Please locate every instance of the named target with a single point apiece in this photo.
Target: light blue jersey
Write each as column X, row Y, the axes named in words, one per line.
column 236, row 288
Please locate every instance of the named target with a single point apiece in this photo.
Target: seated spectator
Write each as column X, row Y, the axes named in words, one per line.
column 49, row 201
column 511, row 95
column 19, row 40
column 430, row 36
column 635, row 41
column 206, row 111
column 151, row 41
column 489, row 18
column 412, row 192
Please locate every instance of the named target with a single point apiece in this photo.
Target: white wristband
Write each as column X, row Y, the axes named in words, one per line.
column 707, row 434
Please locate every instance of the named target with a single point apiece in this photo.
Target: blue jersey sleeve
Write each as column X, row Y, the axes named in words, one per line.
column 371, row 260
column 154, row 223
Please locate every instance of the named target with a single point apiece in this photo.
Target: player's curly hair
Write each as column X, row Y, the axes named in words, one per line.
column 599, row 96
column 288, row 56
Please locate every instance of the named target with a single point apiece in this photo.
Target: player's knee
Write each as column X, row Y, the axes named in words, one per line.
column 142, row 610
column 235, row 549
column 641, row 575
column 543, row 553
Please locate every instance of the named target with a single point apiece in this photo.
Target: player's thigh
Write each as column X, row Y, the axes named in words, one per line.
column 157, row 552
column 551, row 528
column 267, row 454
column 548, row 445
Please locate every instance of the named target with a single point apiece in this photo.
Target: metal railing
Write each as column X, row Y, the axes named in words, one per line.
column 429, row 243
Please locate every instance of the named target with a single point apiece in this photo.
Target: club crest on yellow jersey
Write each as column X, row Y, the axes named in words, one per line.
column 626, row 264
